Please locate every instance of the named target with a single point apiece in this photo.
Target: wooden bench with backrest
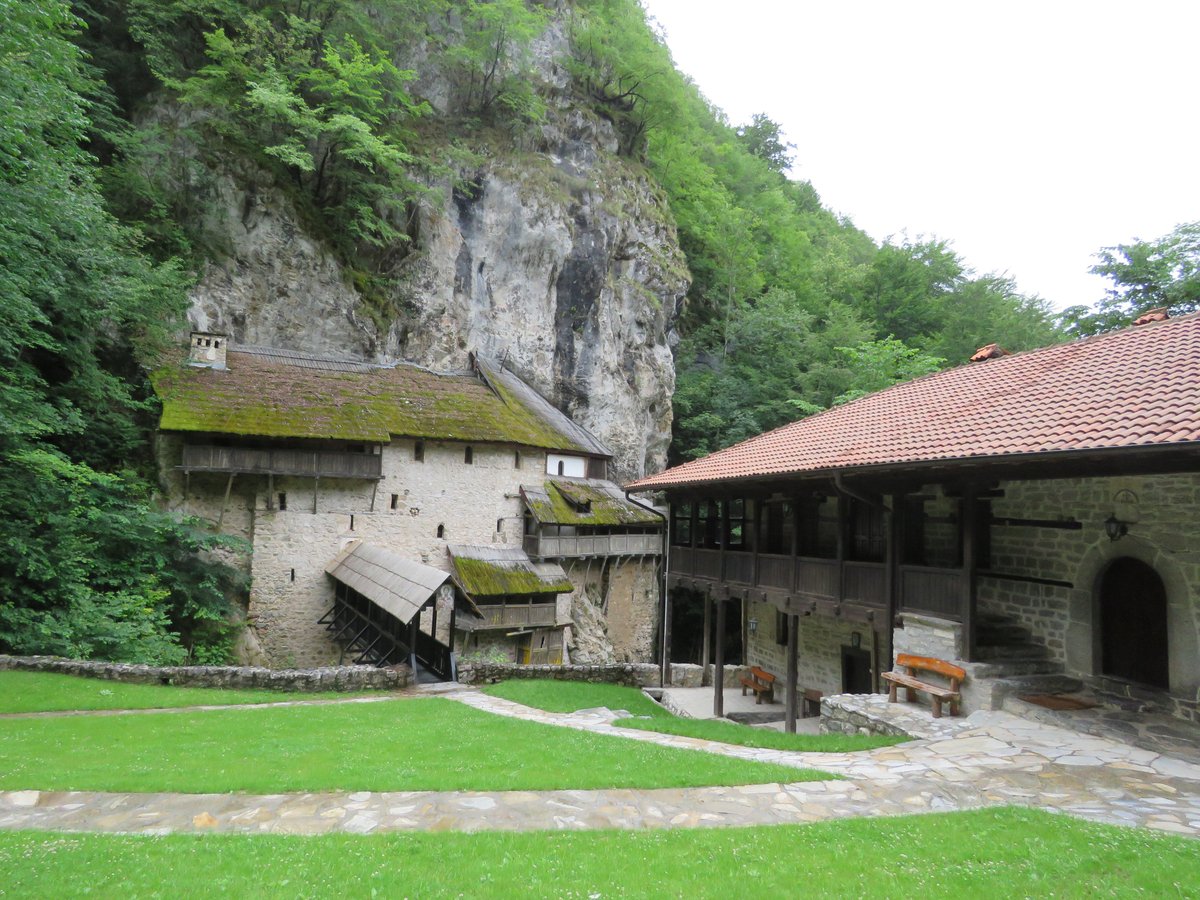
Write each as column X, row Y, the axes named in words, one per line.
column 761, row 682
column 911, row 683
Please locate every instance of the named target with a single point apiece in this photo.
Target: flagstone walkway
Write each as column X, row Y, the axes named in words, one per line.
column 985, row 759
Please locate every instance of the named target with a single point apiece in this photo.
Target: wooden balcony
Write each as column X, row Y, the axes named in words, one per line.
column 257, row 461
column 581, row 545
column 936, row 592
column 510, row 615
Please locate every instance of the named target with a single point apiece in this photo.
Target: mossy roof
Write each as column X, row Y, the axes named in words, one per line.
column 486, row 571
column 273, row 394
column 584, row 502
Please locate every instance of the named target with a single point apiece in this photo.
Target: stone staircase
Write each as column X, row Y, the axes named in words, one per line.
column 1010, row 662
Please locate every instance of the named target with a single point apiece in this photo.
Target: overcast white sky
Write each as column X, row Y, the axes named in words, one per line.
column 1029, row 134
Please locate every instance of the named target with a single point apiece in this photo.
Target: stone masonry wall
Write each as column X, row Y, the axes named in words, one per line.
column 819, row 648
column 1165, row 533
column 290, row 590
column 334, row 678
column 685, row 675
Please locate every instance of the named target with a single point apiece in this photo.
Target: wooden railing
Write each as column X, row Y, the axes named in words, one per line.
column 818, row 578
column 920, row 589
column 938, row 592
column 552, row 545
column 511, row 615
column 256, row 461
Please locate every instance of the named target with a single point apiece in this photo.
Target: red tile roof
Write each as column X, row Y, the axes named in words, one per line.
column 1139, row 387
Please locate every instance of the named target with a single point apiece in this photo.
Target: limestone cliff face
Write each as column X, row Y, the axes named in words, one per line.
column 559, row 258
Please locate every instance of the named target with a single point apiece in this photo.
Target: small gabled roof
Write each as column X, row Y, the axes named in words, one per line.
column 396, row 585
column 489, row 571
column 1133, row 389
column 583, row 501
column 277, row 393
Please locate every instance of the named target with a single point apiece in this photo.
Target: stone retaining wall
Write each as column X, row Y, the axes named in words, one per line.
column 630, row 674
column 845, row 714
column 329, row 678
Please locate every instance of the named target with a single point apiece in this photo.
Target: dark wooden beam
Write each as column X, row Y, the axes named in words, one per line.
column 706, row 647
column 793, row 667
column 969, row 514
column 719, row 668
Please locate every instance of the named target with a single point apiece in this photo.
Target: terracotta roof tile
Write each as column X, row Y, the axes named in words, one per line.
column 1138, row 387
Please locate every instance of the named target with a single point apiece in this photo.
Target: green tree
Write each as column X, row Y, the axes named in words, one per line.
column 1144, row 275
column 882, row 363
column 85, row 561
column 490, row 57
column 763, row 138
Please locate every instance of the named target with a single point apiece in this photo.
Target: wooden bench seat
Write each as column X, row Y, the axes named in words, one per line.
column 937, row 692
column 761, row 682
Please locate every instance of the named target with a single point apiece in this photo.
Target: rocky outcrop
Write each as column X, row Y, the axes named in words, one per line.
column 559, row 257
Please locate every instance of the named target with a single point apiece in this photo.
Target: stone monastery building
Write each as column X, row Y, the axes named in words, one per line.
column 1034, row 517
column 398, row 514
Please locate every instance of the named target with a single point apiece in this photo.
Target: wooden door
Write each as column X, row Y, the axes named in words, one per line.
column 1133, row 623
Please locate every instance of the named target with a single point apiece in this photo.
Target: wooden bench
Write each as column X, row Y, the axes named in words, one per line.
column 912, row 684
column 761, row 682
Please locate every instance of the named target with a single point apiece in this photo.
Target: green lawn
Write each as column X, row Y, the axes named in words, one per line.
column 981, row 854
column 407, row 744
column 50, row 692
column 569, row 696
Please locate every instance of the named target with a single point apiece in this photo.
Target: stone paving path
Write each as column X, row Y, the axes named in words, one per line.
column 986, row 759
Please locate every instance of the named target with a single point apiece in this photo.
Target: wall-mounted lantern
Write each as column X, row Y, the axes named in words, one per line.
column 753, row 623
column 1115, row 528
column 1125, row 513
column 856, row 639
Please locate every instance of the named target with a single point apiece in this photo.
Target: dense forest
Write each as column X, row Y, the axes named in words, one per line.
column 103, row 228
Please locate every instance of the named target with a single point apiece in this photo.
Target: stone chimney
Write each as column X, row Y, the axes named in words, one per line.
column 1152, row 315
column 991, row 351
column 207, row 349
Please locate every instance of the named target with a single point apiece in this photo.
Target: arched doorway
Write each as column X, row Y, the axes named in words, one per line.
column 1133, row 623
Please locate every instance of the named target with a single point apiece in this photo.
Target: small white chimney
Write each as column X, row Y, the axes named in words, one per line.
column 207, row 349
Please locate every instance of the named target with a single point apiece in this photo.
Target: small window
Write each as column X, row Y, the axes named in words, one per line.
column 419, row 451
column 781, row 628
column 516, row 459
column 499, row 524
column 395, row 501
column 352, row 523
column 282, row 500
column 561, row 466
column 293, row 576
column 217, row 344
column 441, row 532
column 469, row 455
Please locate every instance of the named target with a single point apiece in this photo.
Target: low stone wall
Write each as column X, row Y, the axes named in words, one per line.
column 329, row 678
column 846, row 714
column 630, row 674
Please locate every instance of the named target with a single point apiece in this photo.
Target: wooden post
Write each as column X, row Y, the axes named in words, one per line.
column 316, row 491
column 895, row 540
column 719, row 668
column 969, row 514
column 453, row 610
column 270, row 490
column 665, row 676
column 433, row 619
column 412, row 646
column 793, row 671
column 705, row 655
column 225, row 502
column 842, row 530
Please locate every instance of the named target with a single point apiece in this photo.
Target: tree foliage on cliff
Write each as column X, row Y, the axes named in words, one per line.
column 87, row 567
